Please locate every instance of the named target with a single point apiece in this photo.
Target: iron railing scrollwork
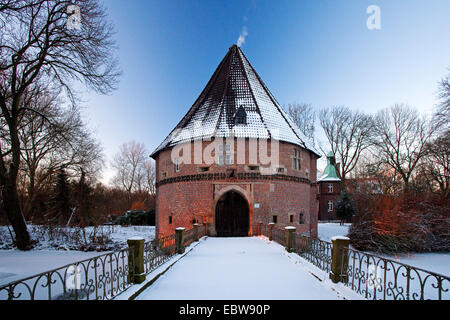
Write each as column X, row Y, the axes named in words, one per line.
column 379, row 278
column 99, row 278
column 158, row 251
column 316, row 251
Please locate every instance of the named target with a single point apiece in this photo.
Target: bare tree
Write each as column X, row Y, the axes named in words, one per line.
column 436, row 165
column 348, row 133
column 129, row 164
column 150, row 177
column 400, row 139
column 40, row 50
column 63, row 143
column 442, row 115
column 304, row 117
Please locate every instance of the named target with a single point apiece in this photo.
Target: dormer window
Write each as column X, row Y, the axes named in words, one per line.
column 240, row 117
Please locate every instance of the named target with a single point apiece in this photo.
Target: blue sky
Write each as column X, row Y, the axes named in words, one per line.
column 318, row 52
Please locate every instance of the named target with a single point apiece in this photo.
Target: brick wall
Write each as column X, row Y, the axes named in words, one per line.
column 195, row 200
column 325, row 196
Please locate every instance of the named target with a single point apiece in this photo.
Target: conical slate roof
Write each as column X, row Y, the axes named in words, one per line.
column 236, row 84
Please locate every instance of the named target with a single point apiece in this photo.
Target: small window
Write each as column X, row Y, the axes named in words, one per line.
column 280, row 170
column 296, row 159
column 170, row 219
column 330, row 206
column 228, row 154
column 228, row 160
column 203, row 169
column 253, row 168
column 291, row 218
column 164, row 175
column 330, row 188
column 275, row 219
column 241, row 116
column 302, row 218
column 177, row 165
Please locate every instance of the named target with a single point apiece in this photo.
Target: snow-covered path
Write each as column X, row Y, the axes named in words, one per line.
column 238, row 269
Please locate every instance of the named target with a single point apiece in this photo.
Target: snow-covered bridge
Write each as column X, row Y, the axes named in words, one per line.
column 242, row 269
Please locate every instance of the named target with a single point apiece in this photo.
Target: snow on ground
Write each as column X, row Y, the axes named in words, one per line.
column 16, row 264
column 435, row 262
column 330, row 230
column 239, row 269
column 122, row 234
column 69, row 238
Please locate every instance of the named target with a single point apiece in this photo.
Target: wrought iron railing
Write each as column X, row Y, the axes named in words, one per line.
column 158, row 251
column 316, row 251
column 279, row 236
column 99, row 278
column 189, row 236
column 379, row 278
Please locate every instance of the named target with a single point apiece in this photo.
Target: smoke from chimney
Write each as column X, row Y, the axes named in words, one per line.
column 242, row 36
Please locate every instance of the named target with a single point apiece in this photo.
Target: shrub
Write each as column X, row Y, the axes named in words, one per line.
column 390, row 224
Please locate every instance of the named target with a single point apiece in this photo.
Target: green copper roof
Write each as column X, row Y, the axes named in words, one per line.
column 330, row 171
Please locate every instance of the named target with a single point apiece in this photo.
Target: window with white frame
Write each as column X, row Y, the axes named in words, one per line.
column 228, row 154
column 330, row 206
column 330, row 188
column 220, row 154
column 296, row 159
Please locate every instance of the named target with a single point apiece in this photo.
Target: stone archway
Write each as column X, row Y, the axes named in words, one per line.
column 232, row 215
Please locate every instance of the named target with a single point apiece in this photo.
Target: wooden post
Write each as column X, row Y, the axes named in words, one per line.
column 259, row 229
column 196, row 232
column 136, row 259
column 290, row 238
column 179, row 240
column 339, row 259
column 271, row 225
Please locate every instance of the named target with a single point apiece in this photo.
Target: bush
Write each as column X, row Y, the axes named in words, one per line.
column 389, row 224
column 137, row 218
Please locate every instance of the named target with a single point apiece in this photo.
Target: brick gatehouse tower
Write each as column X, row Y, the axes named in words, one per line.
column 236, row 159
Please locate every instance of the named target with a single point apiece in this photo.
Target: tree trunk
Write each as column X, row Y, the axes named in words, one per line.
column 15, row 216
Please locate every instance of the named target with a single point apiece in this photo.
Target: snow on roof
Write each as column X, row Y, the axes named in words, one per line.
column 235, row 83
column 327, row 178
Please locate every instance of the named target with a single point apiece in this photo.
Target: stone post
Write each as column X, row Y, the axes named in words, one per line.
column 196, row 236
column 179, row 240
column 136, row 260
column 290, row 238
column 339, row 259
column 271, row 225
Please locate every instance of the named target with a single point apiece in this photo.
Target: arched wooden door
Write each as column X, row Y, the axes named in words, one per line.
column 232, row 215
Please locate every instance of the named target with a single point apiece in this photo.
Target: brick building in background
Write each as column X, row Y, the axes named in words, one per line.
column 329, row 190
column 234, row 118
